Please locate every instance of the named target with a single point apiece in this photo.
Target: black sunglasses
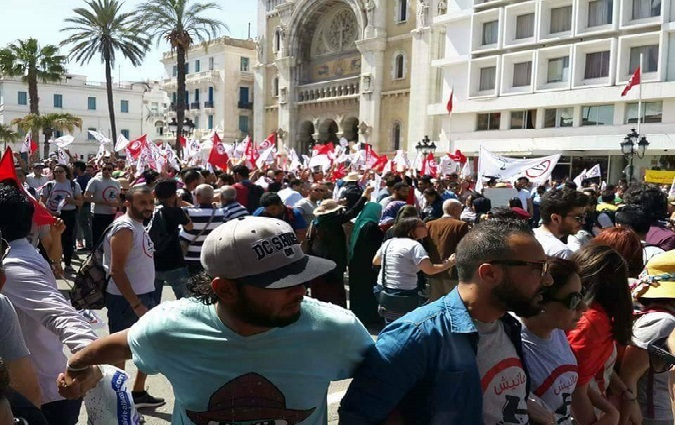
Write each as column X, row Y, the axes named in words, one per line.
column 541, row 266
column 578, row 218
column 572, row 301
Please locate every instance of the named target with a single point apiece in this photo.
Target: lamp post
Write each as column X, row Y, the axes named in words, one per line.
column 633, row 145
column 425, row 146
column 188, row 126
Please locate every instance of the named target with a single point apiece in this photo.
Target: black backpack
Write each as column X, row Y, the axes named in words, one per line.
column 254, row 194
column 159, row 233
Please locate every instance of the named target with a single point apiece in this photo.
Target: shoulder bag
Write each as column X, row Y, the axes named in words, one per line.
column 400, row 301
column 185, row 245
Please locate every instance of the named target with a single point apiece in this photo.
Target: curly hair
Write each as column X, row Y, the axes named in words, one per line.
column 650, row 197
column 561, row 202
column 200, row 288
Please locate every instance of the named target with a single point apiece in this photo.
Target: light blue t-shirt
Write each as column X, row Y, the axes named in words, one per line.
column 219, row 376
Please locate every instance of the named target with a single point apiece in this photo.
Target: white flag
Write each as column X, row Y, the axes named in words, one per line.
column 100, row 137
column 594, row 172
column 63, row 141
column 62, row 156
column 580, row 178
column 509, row 169
column 466, row 170
column 122, row 143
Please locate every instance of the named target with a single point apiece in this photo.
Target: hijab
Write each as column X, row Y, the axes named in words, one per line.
column 369, row 214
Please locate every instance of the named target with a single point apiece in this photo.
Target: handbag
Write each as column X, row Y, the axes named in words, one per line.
column 91, row 280
column 402, row 302
column 185, row 245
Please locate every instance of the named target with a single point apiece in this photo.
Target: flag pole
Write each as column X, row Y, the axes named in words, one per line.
column 639, row 121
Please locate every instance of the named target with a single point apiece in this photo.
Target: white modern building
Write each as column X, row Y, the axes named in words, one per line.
column 545, row 76
column 219, row 87
column 84, row 99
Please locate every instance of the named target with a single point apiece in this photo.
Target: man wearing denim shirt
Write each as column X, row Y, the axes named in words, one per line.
column 457, row 360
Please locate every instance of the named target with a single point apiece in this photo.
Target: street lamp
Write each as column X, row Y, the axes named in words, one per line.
column 633, row 145
column 426, row 146
column 188, row 126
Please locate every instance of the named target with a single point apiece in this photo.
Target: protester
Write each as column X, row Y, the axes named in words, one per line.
column 231, row 209
column 36, row 179
column 248, row 194
column 563, row 212
column 309, row 204
column 272, row 206
column 634, row 217
column 83, row 234
column 292, row 194
column 104, row 193
column 655, row 204
column 281, row 350
column 191, row 179
column 627, row 243
column 434, row 205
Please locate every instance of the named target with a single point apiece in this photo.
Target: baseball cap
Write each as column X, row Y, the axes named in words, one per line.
column 262, row 252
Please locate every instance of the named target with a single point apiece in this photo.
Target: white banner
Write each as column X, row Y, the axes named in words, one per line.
column 509, row 169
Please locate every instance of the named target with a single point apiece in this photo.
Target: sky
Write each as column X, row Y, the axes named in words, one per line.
column 42, row 19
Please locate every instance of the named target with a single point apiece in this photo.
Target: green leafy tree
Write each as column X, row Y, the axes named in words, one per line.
column 180, row 23
column 48, row 124
column 26, row 59
column 102, row 29
column 7, row 135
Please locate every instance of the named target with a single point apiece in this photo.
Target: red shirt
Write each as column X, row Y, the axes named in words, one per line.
column 242, row 194
column 592, row 342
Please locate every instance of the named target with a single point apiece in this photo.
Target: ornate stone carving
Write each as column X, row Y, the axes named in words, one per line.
column 442, row 8
column 259, row 48
column 422, row 13
column 370, row 12
column 336, row 33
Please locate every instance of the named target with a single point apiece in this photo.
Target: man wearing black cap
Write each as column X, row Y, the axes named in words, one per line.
column 250, row 348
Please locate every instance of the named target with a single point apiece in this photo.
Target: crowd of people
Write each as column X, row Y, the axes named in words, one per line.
column 557, row 308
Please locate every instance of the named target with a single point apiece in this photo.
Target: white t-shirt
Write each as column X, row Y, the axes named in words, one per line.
column 553, row 371
column 403, row 258
column 280, row 376
column 55, row 192
column 503, row 378
column 140, row 266
column 289, row 196
column 524, row 195
column 552, row 245
column 103, row 190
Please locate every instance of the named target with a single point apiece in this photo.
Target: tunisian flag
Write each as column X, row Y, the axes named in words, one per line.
column 41, row 215
column 29, row 144
column 218, row 157
column 268, row 143
column 634, row 81
column 136, row 146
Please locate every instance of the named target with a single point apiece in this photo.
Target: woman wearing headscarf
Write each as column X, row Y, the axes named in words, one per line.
column 326, row 239
column 366, row 239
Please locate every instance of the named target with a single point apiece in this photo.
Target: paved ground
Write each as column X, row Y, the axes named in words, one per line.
column 160, row 387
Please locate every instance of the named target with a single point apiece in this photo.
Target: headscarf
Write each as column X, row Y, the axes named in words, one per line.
column 369, row 214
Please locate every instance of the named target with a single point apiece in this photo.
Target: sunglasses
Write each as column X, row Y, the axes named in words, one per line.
column 578, row 218
column 58, row 172
column 541, row 266
column 572, row 301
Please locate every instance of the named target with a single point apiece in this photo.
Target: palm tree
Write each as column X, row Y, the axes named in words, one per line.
column 7, row 135
column 48, row 124
column 180, row 23
column 103, row 29
column 27, row 60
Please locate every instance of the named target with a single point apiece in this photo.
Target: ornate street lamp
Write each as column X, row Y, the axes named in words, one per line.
column 633, row 145
column 426, row 146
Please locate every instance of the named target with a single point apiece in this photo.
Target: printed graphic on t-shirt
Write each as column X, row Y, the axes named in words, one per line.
column 556, row 391
column 110, row 193
column 148, row 246
column 504, row 393
column 57, row 196
column 249, row 399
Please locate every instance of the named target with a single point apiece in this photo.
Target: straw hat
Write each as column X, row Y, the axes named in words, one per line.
column 352, row 177
column 661, row 270
column 328, row 206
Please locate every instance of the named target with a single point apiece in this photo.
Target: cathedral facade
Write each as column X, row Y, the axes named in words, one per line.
column 329, row 69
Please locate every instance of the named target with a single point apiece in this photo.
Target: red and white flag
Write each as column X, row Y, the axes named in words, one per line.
column 429, row 166
column 218, row 156
column 7, row 171
column 29, row 144
column 325, row 149
column 250, row 153
column 449, row 105
column 136, row 146
column 634, row 81
column 268, row 143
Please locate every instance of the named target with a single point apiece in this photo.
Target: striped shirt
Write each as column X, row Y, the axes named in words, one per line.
column 233, row 210
column 200, row 216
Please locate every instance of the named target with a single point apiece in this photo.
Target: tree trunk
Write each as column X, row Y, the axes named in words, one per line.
column 180, row 97
column 34, row 105
column 111, row 102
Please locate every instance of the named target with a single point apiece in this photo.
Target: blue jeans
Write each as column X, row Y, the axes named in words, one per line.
column 177, row 279
column 62, row 412
column 120, row 314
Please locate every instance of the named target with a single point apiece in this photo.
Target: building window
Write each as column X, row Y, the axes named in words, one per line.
column 89, row 136
column 174, row 98
column 125, row 133
column 195, row 121
column 243, row 124
column 91, row 103
column 650, row 58
column 561, row 19
column 489, row 121
column 243, row 64
column 57, row 134
column 210, row 95
column 646, row 9
column 556, row 118
column 402, row 11
column 597, row 115
column 198, row 66
column 209, row 122
column 522, row 74
column 196, row 99
column 558, row 70
column 243, row 94
column 652, row 112
column 523, row 119
column 600, row 12
column 275, row 87
column 487, row 78
column 210, row 64
column 277, row 40
column 597, row 65
column 399, row 67
column 124, row 106
column 525, row 26
column 58, row 101
column 490, row 33
column 174, row 71
column 396, row 136
column 23, row 98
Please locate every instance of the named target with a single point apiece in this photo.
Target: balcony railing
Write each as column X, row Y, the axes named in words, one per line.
column 194, row 105
column 202, row 76
column 345, row 87
column 208, row 104
column 245, row 105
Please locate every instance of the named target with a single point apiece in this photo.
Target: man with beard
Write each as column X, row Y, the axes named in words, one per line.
column 458, row 359
column 563, row 213
column 249, row 347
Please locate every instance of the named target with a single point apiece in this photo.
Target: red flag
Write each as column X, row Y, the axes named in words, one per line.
column 338, row 173
column 218, row 157
column 268, row 143
column 29, row 144
column 449, row 105
column 136, row 146
column 429, row 166
column 634, row 81
column 251, row 153
column 380, row 162
column 183, row 141
column 458, row 156
column 323, row 149
column 41, row 215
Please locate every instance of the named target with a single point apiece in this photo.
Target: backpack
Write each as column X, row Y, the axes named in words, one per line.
column 254, row 194
column 159, row 233
column 91, row 280
column 50, row 186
